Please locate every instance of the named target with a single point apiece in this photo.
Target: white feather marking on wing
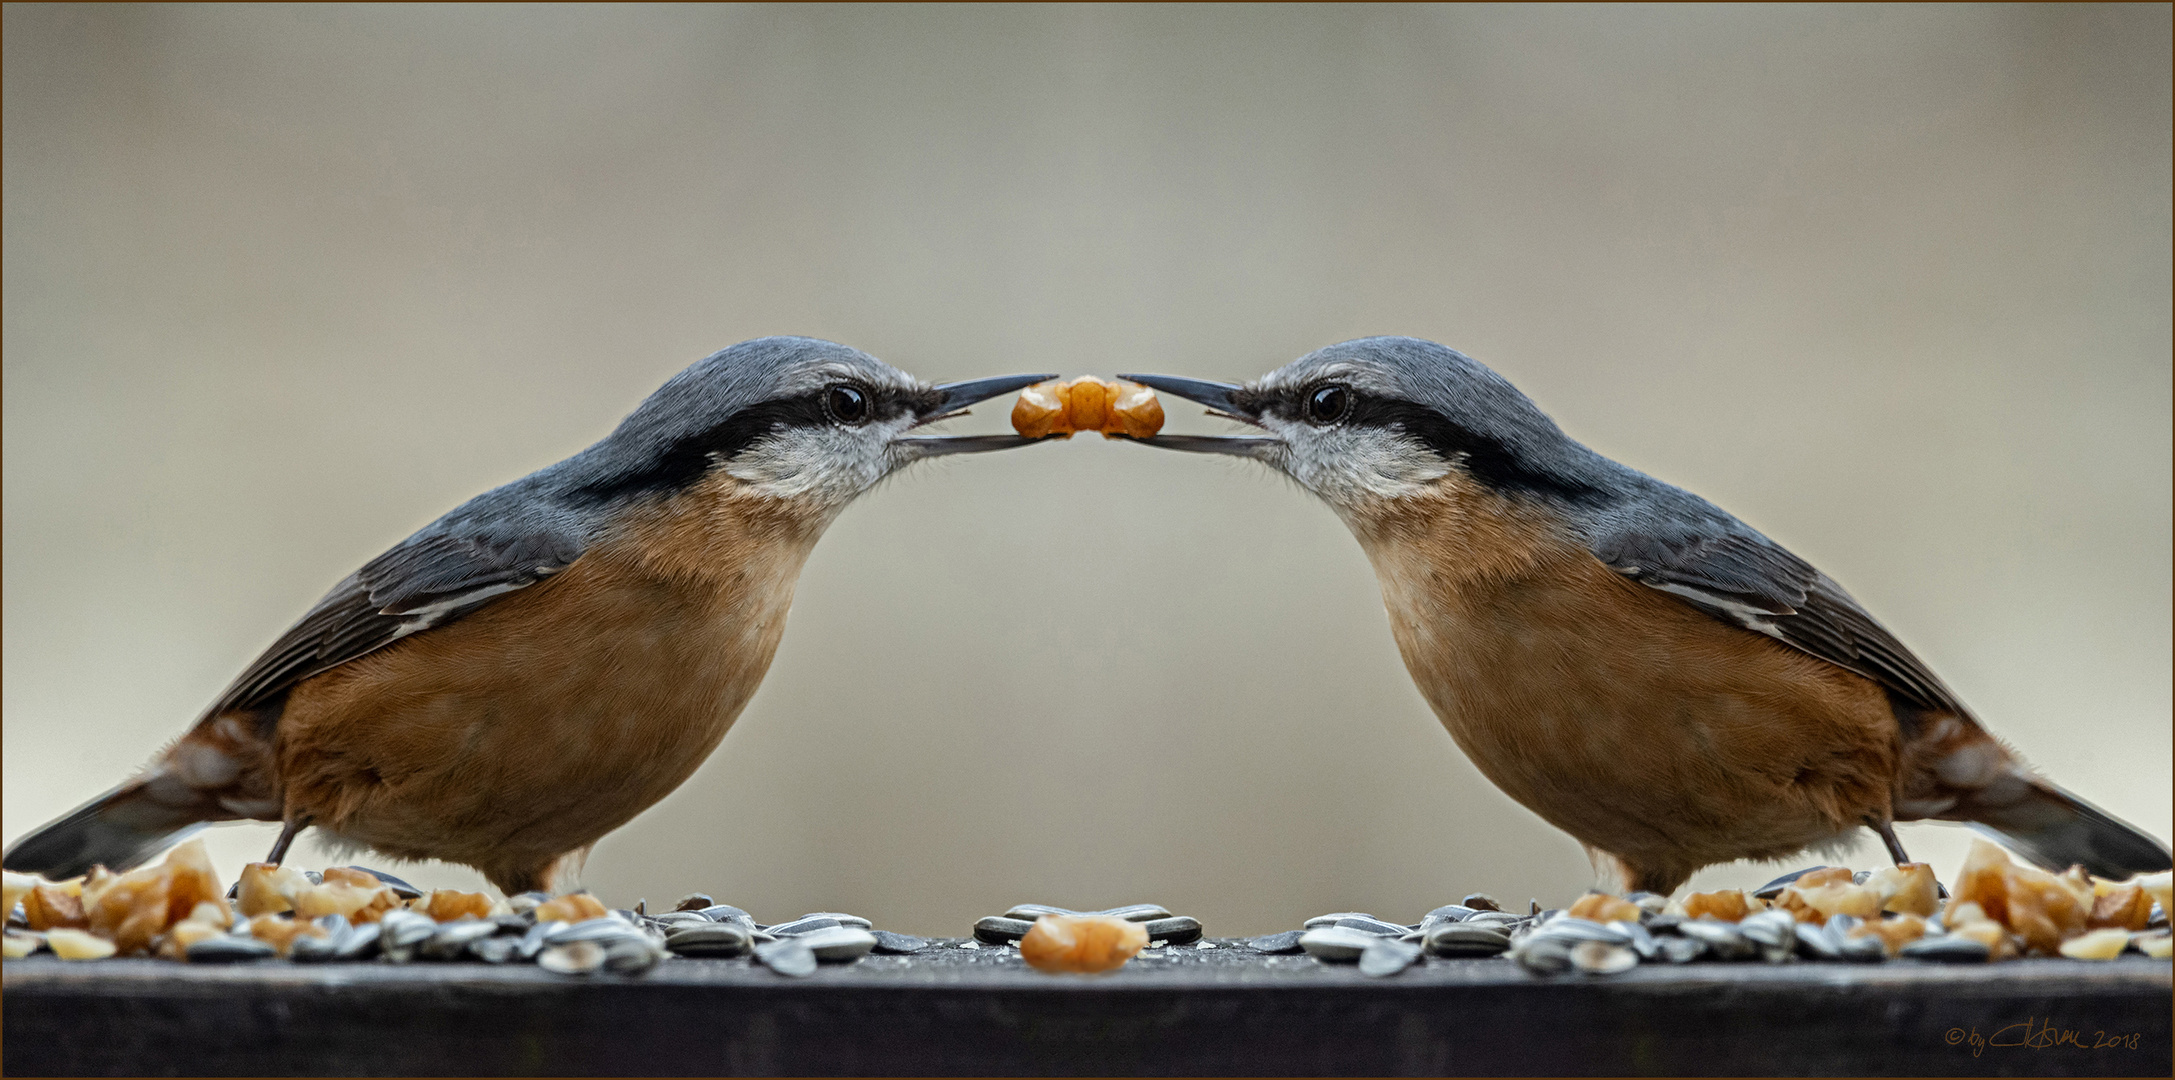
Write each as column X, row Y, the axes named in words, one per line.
column 1745, row 615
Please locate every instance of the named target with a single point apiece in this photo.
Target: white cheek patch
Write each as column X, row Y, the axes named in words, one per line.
column 1349, row 466
column 827, row 464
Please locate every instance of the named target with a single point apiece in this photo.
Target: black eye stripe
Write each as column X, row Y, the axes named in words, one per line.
column 686, row 460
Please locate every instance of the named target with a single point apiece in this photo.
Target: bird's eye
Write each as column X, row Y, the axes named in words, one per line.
column 1329, row 404
column 847, row 405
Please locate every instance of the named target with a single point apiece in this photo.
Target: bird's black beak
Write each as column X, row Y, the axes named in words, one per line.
column 1215, row 395
column 956, row 397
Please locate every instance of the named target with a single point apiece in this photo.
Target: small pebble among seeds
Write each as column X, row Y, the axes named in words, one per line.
column 1084, row 944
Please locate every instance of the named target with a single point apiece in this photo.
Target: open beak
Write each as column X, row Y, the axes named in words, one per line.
column 959, row 395
column 1215, row 395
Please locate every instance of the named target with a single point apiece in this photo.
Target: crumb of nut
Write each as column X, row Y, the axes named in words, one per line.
column 2157, row 946
column 175, row 945
column 280, row 932
column 1820, row 903
column 268, row 889
column 1060, row 409
column 2124, row 907
column 78, row 945
column 132, row 909
column 1826, row 875
column 446, row 905
column 2161, row 887
column 1728, row 905
column 573, row 907
column 1908, row 889
column 1040, row 411
column 2040, row 908
column 357, row 904
column 1894, row 932
column 1081, row 943
column 13, row 887
column 18, row 946
column 1601, row 907
column 1989, row 933
column 1134, row 412
column 49, row 907
column 2096, row 945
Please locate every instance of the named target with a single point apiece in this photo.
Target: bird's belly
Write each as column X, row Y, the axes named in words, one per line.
column 535, row 726
column 1639, row 724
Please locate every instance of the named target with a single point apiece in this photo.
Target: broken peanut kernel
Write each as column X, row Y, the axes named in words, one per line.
column 573, row 907
column 1081, row 943
column 1894, row 933
column 2096, row 945
column 1601, row 907
column 446, row 905
column 69, row 944
column 280, row 932
column 2125, row 907
column 1728, row 905
column 49, row 907
column 1908, row 889
column 1087, row 404
column 267, row 889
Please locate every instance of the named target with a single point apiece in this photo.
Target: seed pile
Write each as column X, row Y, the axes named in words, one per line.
column 1087, row 404
column 700, row 927
column 1999, row 910
column 177, row 910
column 1162, row 927
column 1476, row 927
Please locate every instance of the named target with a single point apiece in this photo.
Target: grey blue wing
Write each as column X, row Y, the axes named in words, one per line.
column 448, row 570
column 1723, row 567
column 430, row 579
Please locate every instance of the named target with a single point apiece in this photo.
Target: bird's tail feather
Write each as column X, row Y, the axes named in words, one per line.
column 119, row 829
column 2056, row 829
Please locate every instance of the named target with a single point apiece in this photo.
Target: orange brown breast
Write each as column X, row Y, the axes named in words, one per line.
column 527, row 730
column 1647, row 729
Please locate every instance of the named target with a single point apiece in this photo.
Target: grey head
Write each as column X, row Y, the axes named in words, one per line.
column 791, row 417
column 1384, row 418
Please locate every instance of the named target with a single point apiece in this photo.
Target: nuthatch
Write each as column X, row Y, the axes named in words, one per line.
column 532, row 670
column 1636, row 666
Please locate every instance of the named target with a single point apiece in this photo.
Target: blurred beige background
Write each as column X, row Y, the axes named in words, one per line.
column 284, row 284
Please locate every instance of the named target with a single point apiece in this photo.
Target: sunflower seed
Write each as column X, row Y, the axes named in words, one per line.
column 1286, row 942
column 838, row 944
column 1176, row 929
column 1336, row 944
column 1947, row 949
column 225, row 949
column 494, row 950
column 693, row 902
column 1774, row 888
column 1138, row 912
column 722, row 912
column 1481, row 902
column 1333, row 918
column 888, row 942
column 358, row 942
column 998, row 930
column 1372, row 926
column 453, row 938
column 576, row 958
column 1596, row 958
column 1466, row 939
column 708, row 939
column 787, row 956
column 803, row 925
column 1387, row 956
